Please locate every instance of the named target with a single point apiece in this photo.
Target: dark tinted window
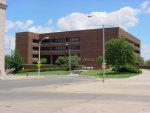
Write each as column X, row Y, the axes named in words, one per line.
column 58, row 40
column 58, row 48
column 46, row 41
column 73, row 47
column 45, row 48
column 74, row 39
column 35, row 48
column 35, row 56
column 35, row 41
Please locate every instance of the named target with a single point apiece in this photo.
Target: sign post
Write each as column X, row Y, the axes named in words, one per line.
column 39, row 66
column 103, row 67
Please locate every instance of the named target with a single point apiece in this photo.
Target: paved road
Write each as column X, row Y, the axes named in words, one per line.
column 48, row 80
column 76, row 94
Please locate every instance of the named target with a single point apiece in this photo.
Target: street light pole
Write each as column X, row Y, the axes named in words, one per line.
column 103, row 64
column 69, row 57
column 39, row 58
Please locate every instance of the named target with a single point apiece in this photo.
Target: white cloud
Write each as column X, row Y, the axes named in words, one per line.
column 50, row 21
column 145, row 7
column 11, row 25
column 40, row 29
column 25, row 25
column 28, row 26
column 73, row 21
column 125, row 17
column 145, row 52
column 9, row 44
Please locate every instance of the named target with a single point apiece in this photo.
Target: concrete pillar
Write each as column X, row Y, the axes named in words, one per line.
column 51, row 59
column 2, row 35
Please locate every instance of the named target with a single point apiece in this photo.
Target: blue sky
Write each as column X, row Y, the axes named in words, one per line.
column 62, row 15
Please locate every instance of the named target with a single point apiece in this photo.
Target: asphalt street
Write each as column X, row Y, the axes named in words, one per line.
column 48, row 80
column 76, row 94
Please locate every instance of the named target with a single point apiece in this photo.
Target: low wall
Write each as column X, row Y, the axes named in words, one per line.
column 43, row 66
column 144, row 66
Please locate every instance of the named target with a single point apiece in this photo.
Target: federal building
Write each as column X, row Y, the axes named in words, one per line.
column 87, row 44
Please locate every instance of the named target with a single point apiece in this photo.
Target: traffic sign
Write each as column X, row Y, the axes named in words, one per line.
column 103, row 65
column 39, row 65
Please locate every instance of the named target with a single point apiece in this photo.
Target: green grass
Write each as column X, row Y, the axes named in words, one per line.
column 46, row 73
column 109, row 74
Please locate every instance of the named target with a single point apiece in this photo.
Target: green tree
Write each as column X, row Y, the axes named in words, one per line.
column 119, row 53
column 15, row 61
column 43, row 60
column 99, row 59
column 74, row 61
column 139, row 60
column 61, row 60
column 147, row 62
column 7, row 61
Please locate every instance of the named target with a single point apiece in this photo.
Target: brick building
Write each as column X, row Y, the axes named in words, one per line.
column 87, row 44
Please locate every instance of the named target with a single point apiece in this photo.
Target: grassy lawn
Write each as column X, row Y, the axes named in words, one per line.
column 46, row 73
column 109, row 74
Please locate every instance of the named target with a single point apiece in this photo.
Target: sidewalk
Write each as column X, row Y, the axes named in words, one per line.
column 18, row 77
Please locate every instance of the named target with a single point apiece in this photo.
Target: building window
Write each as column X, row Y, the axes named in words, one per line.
column 58, row 48
column 46, row 41
column 45, row 48
column 35, row 56
column 133, row 43
column 74, row 39
column 73, row 47
column 136, row 51
column 59, row 40
column 35, row 41
column 35, row 48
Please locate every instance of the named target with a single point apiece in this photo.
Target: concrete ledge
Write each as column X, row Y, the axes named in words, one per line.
column 19, row 77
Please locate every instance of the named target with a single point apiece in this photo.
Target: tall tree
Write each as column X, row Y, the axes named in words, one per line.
column 15, row 61
column 147, row 62
column 7, row 62
column 139, row 60
column 119, row 53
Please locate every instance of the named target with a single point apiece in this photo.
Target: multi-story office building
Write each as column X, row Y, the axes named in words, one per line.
column 87, row 44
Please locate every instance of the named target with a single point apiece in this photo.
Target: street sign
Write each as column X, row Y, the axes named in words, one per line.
column 38, row 65
column 103, row 65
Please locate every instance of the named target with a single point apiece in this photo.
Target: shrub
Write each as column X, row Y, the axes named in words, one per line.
column 61, row 60
column 74, row 62
column 99, row 59
column 43, row 60
column 129, row 68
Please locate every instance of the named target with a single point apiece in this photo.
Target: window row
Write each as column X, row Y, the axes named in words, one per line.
column 58, row 48
column 133, row 43
column 35, row 56
column 58, row 40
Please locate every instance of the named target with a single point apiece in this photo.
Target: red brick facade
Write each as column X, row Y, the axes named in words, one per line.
column 87, row 44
